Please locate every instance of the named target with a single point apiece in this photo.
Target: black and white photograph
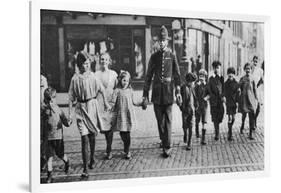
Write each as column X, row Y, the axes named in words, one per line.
column 135, row 96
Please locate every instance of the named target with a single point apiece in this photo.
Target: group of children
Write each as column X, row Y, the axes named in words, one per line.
column 193, row 108
column 231, row 92
column 53, row 119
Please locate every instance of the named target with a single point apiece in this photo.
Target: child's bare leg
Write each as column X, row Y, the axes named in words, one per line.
column 203, row 134
column 231, row 118
column 50, row 169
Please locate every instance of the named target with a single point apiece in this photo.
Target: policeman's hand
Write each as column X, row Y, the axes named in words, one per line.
column 144, row 103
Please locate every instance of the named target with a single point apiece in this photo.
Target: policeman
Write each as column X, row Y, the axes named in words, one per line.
column 164, row 70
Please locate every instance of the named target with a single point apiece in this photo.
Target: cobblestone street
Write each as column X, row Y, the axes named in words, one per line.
column 216, row 157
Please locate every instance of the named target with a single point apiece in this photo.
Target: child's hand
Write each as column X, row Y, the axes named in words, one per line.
column 69, row 122
column 144, row 103
column 223, row 99
column 106, row 106
column 179, row 99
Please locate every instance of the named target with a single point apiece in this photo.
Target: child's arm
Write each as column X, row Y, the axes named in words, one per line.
column 71, row 98
column 65, row 121
column 136, row 103
column 102, row 92
column 255, row 90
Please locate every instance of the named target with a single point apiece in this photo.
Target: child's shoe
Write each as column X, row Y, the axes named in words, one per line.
column 85, row 175
column 108, row 156
column 128, row 156
column 230, row 138
column 188, row 148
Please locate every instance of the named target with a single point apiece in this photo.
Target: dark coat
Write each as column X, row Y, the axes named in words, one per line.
column 231, row 92
column 215, row 89
column 163, row 68
column 200, row 93
column 189, row 102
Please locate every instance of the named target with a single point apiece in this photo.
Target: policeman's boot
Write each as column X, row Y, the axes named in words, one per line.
column 229, row 137
column 203, row 137
column 197, row 130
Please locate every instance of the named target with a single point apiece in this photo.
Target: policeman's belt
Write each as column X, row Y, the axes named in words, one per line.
column 168, row 79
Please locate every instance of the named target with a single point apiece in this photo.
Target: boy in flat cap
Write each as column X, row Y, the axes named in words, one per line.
column 163, row 69
column 201, row 111
column 188, row 107
column 215, row 90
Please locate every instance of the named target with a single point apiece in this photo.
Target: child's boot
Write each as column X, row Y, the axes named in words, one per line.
column 188, row 148
column 229, row 137
column 49, row 177
column 66, row 167
column 216, row 131
column 184, row 135
column 197, row 130
column 203, row 137
column 251, row 134
column 92, row 161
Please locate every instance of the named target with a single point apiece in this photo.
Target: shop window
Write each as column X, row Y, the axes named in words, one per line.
column 125, row 44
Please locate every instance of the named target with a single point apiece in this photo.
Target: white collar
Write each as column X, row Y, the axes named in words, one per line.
column 214, row 75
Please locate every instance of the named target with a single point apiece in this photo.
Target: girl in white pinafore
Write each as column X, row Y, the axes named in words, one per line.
column 108, row 79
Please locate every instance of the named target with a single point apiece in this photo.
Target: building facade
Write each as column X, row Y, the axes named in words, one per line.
column 130, row 40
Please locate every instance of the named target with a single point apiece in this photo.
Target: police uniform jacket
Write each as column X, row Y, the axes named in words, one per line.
column 163, row 72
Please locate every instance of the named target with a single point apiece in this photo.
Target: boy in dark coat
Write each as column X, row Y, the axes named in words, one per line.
column 188, row 107
column 200, row 112
column 231, row 92
column 215, row 90
column 53, row 120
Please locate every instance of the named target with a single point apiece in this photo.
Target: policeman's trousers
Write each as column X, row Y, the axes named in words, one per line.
column 163, row 115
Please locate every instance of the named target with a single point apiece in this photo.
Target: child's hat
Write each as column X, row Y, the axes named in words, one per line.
column 190, row 77
column 202, row 72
